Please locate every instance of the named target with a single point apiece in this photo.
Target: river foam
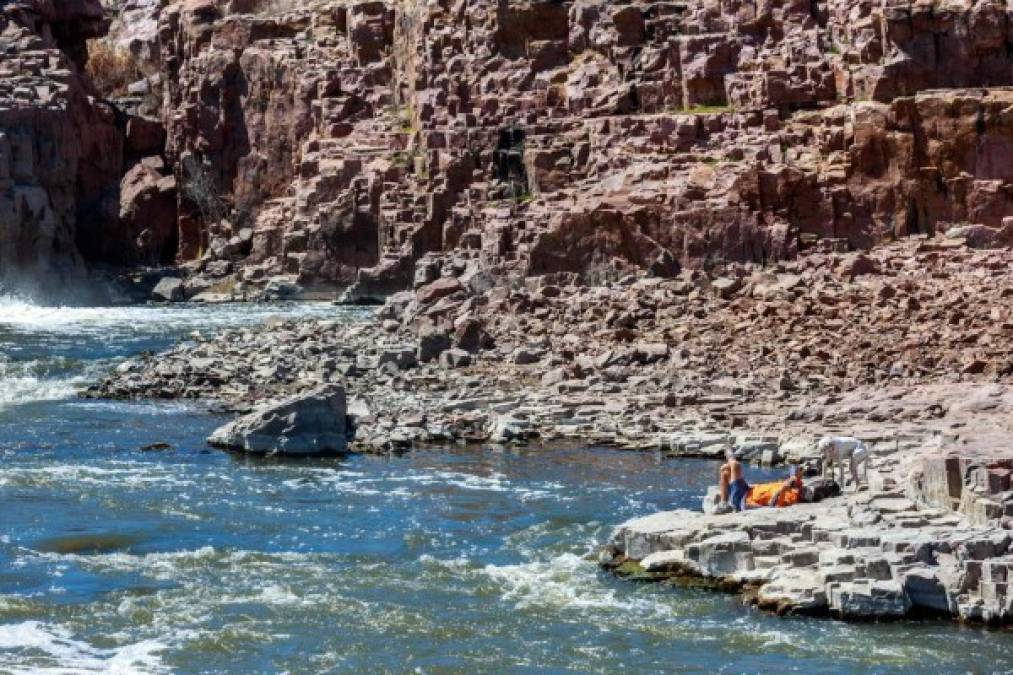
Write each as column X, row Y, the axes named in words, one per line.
column 19, row 314
column 53, row 649
column 19, row 384
column 49, row 352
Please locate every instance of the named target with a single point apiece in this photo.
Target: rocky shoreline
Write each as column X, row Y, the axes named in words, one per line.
column 759, row 357
column 873, row 555
column 902, row 346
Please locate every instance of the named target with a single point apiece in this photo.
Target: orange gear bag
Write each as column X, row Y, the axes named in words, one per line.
column 761, row 494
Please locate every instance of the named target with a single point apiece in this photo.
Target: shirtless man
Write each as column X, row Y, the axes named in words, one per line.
column 732, row 484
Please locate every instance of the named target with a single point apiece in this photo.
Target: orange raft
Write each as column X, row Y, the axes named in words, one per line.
column 762, row 493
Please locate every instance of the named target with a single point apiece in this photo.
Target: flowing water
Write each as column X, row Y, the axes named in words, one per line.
column 118, row 559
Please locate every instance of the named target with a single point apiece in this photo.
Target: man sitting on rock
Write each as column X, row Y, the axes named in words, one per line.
column 732, row 485
column 835, row 449
column 777, row 494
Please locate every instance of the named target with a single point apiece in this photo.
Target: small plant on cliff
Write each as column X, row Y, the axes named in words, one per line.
column 706, row 109
column 406, row 117
column 112, row 69
column 201, row 190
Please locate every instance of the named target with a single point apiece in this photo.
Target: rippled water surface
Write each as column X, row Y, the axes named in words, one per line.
column 117, row 559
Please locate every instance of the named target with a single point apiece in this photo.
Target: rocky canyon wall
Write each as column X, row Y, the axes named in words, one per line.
column 325, row 143
column 59, row 149
column 350, row 139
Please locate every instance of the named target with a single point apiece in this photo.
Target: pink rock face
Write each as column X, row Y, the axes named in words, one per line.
column 336, row 143
column 566, row 138
column 148, row 214
column 440, row 288
column 68, row 23
column 144, row 137
column 60, row 152
column 134, row 28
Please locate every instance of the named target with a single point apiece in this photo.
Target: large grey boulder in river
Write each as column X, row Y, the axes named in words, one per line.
column 312, row 423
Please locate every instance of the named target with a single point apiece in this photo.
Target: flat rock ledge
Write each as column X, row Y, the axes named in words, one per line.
column 872, row 555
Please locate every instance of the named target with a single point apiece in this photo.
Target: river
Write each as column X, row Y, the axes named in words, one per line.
column 117, row 558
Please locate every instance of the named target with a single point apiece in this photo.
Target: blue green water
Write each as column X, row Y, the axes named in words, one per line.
column 117, row 559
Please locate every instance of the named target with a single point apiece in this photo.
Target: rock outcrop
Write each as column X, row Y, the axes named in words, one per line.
column 868, row 556
column 314, row 423
column 315, row 145
column 646, row 224
column 903, row 346
column 339, row 143
column 903, row 350
column 60, row 150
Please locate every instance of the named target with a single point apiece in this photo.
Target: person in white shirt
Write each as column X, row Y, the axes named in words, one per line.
column 834, row 450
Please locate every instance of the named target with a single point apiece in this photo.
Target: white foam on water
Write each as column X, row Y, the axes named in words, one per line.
column 20, row 314
column 354, row 482
column 182, row 565
column 21, row 383
column 37, row 647
column 153, row 409
column 279, row 595
column 134, row 475
column 18, row 390
column 460, row 563
column 61, row 326
column 567, row 581
column 345, row 482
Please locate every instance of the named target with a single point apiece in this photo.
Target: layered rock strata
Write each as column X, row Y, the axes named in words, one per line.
column 869, row 556
column 59, row 149
column 313, row 144
column 327, row 144
column 881, row 345
column 310, row 144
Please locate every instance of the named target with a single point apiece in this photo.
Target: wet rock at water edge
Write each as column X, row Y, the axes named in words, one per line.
column 169, row 289
column 314, row 423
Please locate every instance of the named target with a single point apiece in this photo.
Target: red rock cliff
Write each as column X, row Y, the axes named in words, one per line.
column 59, row 148
column 332, row 142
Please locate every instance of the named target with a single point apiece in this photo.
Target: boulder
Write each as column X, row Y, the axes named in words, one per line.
column 726, row 287
column 859, row 265
column 402, row 358
column 441, row 288
column 169, row 289
column 553, row 377
column 524, row 357
column 650, row 352
column 148, row 212
column 470, row 335
column 868, row 599
column 506, row 428
column 723, row 554
column 791, row 591
column 926, row 591
column 455, row 358
column 432, row 343
column 312, row 423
